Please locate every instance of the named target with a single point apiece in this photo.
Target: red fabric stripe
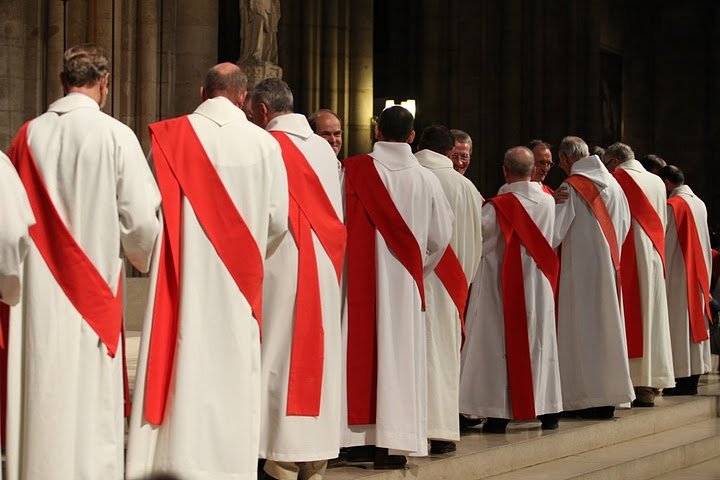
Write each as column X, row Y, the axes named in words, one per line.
column 643, row 212
column 452, row 276
column 73, row 271
column 698, row 283
column 547, row 189
column 310, row 210
column 589, row 192
column 370, row 207
column 181, row 164
column 519, row 229
column 631, row 297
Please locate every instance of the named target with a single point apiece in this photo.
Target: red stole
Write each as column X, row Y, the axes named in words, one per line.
column 310, row 211
column 518, row 228
column 696, row 277
column 546, row 189
column 452, row 276
column 369, row 208
column 589, row 192
column 648, row 219
column 74, row 272
column 183, row 168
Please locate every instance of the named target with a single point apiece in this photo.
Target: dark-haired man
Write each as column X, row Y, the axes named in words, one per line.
column 543, row 162
column 94, row 199
column 461, row 154
column 399, row 225
column 688, row 260
column 197, row 405
column 447, row 288
column 653, row 163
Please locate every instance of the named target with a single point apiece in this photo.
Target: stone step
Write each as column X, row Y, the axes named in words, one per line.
column 525, row 445
column 637, row 459
column 709, row 470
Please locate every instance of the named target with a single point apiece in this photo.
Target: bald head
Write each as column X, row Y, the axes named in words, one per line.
column 518, row 164
column 225, row 80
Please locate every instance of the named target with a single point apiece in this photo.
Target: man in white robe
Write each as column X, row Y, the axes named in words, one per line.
column 691, row 356
column 594, row 368
column 645, row 312
column 16, row 217
column 297, row 441
column 95, row 198
column 387, row 406
column 485, row 382
column 445, row 317
column 205, row 423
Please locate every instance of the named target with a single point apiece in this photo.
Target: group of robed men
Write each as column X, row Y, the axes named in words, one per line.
column 297, row 306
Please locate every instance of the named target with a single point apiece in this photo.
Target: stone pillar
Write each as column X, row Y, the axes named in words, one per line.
column 361, row 76
column 148, row 52
column 11, row 69
column 196, row 36
column 54, row 52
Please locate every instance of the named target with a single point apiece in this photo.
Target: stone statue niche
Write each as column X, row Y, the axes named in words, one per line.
column 258, row 39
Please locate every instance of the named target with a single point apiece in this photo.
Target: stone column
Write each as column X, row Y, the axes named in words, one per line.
column 361, row 76
column 196, row 36
column 54, row 52
column 148, row 52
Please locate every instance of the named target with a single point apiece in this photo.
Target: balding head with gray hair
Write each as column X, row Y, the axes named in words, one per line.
column 518, row 164
column 225, row 80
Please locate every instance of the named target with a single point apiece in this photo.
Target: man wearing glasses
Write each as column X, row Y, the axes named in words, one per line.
column 543, row 162
column 460, row 154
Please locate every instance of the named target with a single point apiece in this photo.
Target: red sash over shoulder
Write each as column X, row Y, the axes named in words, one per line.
column 310, row 211
column 589, row 192
column 183, row 169
column 369, row 208
column 698, row 283
column 546, row 189
column 648, row 219
column 518, row 228
column 452, row 276
column 73, row 271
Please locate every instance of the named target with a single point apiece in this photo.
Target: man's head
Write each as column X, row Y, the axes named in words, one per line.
column 672, row 177
column 518, row 165
column 438, row 139
column 395, row 125
column 225, row 80
column 86, row 69
column 543, row 159
column 571, row 150
column 462, row 151
column 616, row 154
column 270, row 98
column 328, row 125
column 652, row 163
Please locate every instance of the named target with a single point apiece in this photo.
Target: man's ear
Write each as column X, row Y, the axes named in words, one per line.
column 378, row 134
column 241, row 99
column 411, row 137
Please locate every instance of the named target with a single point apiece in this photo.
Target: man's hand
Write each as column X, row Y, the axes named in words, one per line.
column 561, row 195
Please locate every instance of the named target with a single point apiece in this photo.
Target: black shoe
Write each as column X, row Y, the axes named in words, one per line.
column 385, row 461
column 640, row 404
column 495, row 425
column 339, row 461
column 467, row 422
column 603, row 413
column 549, row 421
column 683, row 386
column 362, row 454
column 438, row 447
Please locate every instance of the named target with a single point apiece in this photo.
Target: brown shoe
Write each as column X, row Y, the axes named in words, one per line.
column 438, row 447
